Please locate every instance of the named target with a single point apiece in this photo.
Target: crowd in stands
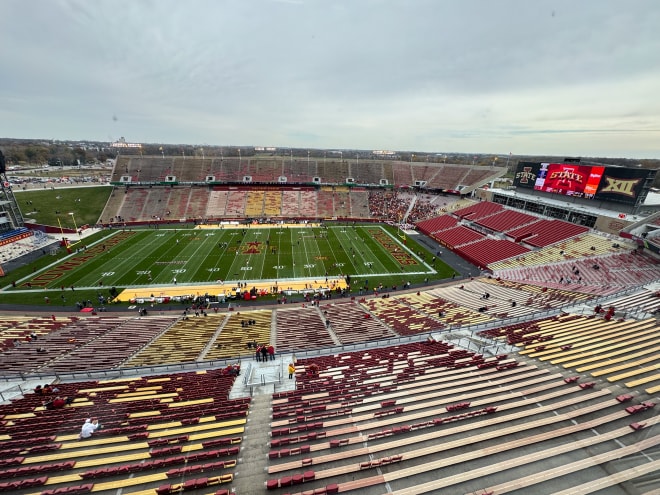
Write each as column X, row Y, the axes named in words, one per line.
column 394, row 205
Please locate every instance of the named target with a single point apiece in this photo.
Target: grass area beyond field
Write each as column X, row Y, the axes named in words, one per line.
column 54, row 206
column 370, row 254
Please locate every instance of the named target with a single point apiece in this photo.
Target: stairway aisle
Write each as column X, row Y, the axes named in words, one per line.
column 250, row 472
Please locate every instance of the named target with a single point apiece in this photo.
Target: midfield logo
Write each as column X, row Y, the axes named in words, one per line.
column 625, row 187
column 252, row 248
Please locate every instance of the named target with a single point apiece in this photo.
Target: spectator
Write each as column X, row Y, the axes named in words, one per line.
column 291, row 369
column 313, row 370
column 88, row 428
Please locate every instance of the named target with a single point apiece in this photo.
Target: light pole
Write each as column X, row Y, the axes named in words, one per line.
column 357, row 160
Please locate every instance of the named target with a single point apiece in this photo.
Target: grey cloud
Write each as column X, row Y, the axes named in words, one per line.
column 418, row 74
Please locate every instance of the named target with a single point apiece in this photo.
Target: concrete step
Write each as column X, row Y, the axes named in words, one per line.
column 250, row 473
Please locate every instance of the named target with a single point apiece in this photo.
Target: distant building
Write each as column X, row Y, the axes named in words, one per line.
column 121, row 143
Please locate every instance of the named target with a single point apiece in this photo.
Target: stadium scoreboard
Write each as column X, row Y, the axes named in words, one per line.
column 603, row 183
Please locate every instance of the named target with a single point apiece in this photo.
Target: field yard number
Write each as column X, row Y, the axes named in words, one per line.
column 107, row 274
column 144, row 272
column 180, row 270
column 310, row 266
column 246, row 268
column 159, row 235
column 213, row 269
column 278, row 267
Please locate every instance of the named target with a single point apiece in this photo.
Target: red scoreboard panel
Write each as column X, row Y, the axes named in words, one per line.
column 569, row 179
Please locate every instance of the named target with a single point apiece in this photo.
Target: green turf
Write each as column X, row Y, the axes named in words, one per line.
column 149, row 257
column 46, row 206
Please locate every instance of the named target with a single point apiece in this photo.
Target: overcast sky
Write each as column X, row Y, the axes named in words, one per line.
column 562, row 77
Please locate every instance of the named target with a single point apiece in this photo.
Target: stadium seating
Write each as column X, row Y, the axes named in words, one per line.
column 478, row 211
column 398, row 422
column 546, row 232
column 239, row 329
column 506, row 220
column 182, row 342
column 423, row 416
column 301, row 329
column 457, row 236
column 450, row 177
column 485, row 251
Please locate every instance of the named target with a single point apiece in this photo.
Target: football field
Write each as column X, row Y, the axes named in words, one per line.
column 240, row 254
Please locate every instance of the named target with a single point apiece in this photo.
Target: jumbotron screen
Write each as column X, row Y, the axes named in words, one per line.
column 623, row 185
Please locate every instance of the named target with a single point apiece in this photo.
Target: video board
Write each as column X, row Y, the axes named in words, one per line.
column 618, row 184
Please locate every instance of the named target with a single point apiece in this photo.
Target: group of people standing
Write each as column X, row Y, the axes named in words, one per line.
column 264, row 352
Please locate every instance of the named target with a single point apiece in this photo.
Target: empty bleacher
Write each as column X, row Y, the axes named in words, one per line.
column 350, row 323
column 546, row 232
column 506, row 220
column 588, row 245
column 458, row 236
column 238, row 330
column 486, row 251
column 183, row 342
column 301, row 329
column 437, row 224
column 614, row 273
column 236, row 201
column 359, row 203
column 402, row 173
column 400, row 317
column 414, row 420
column 217, row 204
column 449, row 177
column 158, row 431
column 478, row 211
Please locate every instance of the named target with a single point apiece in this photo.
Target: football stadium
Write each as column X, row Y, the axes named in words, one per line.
column 313, row 325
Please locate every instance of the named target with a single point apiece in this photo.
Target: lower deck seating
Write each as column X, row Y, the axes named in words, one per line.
column 156, row 430
column 400, row 419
